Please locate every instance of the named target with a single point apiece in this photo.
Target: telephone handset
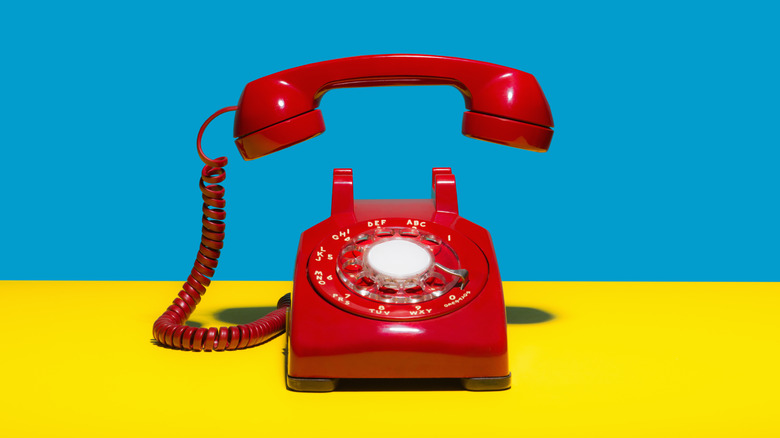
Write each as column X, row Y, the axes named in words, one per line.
column 382, row 288
column 505, row 105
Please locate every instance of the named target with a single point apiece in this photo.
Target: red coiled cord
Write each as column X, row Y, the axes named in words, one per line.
column 169, row 329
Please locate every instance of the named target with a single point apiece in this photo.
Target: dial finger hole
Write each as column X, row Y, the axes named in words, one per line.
column 432, row 242
column 353, row 253
column 413, row 289
column 388, row 290
column 352, row 266
column 365, row 281
column 410, row 232
column 364, row 239
column 384, row 232
column 434, row 281
column 430, row 239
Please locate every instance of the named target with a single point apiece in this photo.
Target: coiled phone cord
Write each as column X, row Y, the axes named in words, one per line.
column 169, row 329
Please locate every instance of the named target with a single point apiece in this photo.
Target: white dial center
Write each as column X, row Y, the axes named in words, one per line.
column 399, row 258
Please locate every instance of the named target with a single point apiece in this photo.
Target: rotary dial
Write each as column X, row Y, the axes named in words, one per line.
column 397, row 269
column 399, row 265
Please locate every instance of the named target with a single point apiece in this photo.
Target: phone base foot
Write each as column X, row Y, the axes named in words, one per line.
column 311, row 384
column 487, row 383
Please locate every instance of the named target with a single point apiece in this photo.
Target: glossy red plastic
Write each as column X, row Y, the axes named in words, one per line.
column 464, row 335
column 505, row 105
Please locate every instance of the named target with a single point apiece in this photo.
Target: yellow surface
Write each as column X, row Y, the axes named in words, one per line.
column 617, row 360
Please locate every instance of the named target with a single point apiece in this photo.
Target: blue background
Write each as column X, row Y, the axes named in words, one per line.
column 664, row 164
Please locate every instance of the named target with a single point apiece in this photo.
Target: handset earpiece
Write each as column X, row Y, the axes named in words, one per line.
column 509, row 109
column 281, row 135
column 506, row 106
column 506, row 131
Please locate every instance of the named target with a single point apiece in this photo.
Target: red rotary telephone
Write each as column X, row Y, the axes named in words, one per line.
column 383, row 288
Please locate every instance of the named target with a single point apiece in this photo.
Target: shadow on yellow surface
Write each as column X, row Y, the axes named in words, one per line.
column 245, row 315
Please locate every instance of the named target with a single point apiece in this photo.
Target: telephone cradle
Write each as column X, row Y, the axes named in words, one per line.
column 396, row 289
column 383, row 289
